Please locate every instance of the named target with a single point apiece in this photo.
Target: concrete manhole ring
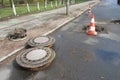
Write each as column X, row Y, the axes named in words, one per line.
column 46, row 41
column 19, row 39
column 34, row 58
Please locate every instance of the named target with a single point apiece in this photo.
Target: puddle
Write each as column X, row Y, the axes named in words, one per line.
column 109, row 56
column 5, row 74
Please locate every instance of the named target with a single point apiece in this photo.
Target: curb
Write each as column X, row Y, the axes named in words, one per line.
column 71, row 19
column 10, row 54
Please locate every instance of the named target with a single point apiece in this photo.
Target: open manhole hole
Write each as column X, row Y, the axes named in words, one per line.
column 115, row 21
column 36, row 58
column 17, row 34
column 99, row 28
column 46, row 41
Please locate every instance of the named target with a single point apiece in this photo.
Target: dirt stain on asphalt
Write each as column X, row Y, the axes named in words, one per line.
column 79, row 54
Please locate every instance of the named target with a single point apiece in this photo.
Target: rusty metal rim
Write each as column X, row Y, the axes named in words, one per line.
column 32, row 66
column 32, row 43
column 39, row 65
column 50, row 42
column 29, row 66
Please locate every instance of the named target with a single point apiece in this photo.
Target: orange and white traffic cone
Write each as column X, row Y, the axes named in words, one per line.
column 91, row 29
column 89, row 10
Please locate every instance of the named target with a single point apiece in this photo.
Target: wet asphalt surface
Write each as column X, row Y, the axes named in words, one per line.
column 79, row 56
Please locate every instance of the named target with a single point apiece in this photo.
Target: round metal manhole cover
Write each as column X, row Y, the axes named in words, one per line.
column 45, row 41
column 38, row 57
column 36, row 54
column 41, row 40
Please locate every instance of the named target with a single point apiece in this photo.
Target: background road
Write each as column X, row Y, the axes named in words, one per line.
column 79, row 56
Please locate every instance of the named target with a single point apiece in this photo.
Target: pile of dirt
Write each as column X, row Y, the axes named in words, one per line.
column 115, row 21
column 17, row 33
column 99, row 28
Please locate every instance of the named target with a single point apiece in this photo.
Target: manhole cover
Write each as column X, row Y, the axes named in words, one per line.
column 115, row 21
column 41, row 40
column 36, row 58
column 46, row 41
column 36, row 54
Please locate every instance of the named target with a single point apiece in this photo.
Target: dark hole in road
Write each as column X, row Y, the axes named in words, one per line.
column 115, row 21
column 98, row 28
column 17, row 34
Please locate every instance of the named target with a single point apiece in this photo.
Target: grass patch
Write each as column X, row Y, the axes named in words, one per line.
column 6, row 12
column 22, row 9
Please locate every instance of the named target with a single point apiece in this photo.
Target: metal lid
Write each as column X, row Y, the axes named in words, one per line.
column 36, row 54
column 41, row 39
column 45, row 41
column 35, row 57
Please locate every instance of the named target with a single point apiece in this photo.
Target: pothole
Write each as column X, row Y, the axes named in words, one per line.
column 115, row 21
column 99, row 28
column 17, row 34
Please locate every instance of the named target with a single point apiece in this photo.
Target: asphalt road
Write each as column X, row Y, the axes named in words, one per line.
column 79, row 56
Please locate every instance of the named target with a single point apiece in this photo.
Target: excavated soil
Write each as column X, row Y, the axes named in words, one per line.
column 115, row 21
column 99, row 28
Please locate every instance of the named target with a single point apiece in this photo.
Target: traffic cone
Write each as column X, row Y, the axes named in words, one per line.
column 91, row 29
column 89, row 10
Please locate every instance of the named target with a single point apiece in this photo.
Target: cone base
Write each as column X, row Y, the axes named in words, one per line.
column 92, row 33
